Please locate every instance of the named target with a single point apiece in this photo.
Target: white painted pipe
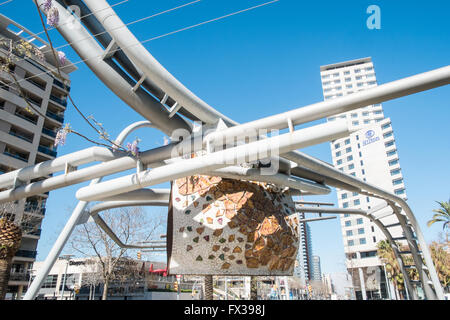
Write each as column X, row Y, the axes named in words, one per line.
column 58, row 164
column 137, row 53
column 328, row 170
column 141, row 194
column 68, row 229
column 378, row 94
column 255, row 150
column 251, row 174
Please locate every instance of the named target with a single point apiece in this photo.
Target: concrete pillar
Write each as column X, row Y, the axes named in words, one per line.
column 362, row 283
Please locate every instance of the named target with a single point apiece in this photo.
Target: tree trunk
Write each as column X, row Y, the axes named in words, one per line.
column 105, row 289
column 5, row 271
column 253, row 288
column 209, row 288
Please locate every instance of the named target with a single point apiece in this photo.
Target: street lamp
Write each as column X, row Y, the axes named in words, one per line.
column 67, row 258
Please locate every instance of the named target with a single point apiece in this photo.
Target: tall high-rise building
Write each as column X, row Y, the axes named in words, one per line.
column 316, row 269
column 27, row 138
column 303, row 268
column 369, row 153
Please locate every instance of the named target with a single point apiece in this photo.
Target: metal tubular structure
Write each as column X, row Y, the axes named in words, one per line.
column 216, row 160
column 380, row 225
column 107, row 205
column 74, row 219
column 118, row 59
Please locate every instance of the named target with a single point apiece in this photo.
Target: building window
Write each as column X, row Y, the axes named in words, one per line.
column 367, row 199
column 393, row 162
column 347, row 72
column 345, row 205
column 351, row 166
column 50, row 281
column 374, row 239
column 363, row 172
column 349, row 149
column 366, row 121
column 361, row 162
column 326, row 76
column 359, row 221
column 339, row 162
column 349, row 158
column 390, row 143
column 355, row 123
column 361, row 231
column 399, row 191
column 356, row 202
column 344, row 196
column 394, row 172
column 362, row 241
column 338, row 154
column 378, row 112
column 347, row 141
column 348, row 223
column 354, row 194
column 387, row 135
column 349, row 233
column 397, row 181
column 354, row 115
column 353, row 174
column 336, row 74
column 385, row 126
column 351, row 242
column 391, row 153
column 357, row 70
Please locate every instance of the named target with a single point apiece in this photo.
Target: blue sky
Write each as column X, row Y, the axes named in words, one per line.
column 267, row 61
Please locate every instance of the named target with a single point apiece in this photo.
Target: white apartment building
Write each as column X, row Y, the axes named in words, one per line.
column 27, row 138
column 369, row 153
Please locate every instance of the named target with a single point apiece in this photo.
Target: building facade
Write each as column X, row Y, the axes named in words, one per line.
column 26, row 137
column 303, row 265
column 316, row 269
column 369, row 153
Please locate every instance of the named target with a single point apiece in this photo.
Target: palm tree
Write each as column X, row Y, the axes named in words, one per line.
column 386, row 254
column 13, row 225
column 10, row 239
column 442, row 214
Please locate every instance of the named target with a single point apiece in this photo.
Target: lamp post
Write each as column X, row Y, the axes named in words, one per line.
column 65, row 257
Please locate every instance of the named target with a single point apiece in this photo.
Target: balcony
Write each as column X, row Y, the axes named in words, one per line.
column 16, row 156
column 49, row 132
column 26, row 254
column 27, row 118
column 61, row 85
column 47, row 150
column 55, row 116
column 60, row 101
column 21, row 136
column 19, row 277
column 34, row 208
column 37, row 84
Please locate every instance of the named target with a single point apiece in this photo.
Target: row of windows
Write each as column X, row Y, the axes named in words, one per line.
column 336, row 74
column 352, row 242
column 349, row 233
column 349, row 222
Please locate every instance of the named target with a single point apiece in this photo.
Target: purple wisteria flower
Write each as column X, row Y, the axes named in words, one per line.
column 47, row 5
column 133, row 148
column 62, row 57
column 53, row 17
column 60, row 139
column 61, row 135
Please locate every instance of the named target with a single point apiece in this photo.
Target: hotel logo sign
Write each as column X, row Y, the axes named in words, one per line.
column 370, row 137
